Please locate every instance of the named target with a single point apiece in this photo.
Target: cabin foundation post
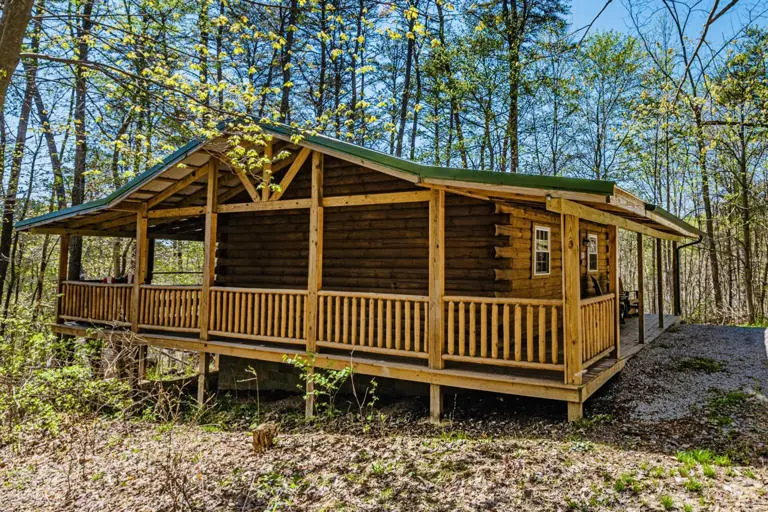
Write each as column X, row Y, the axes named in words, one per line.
column 436, row 292
column 575, row 411
column 315, row 277
column 202, row 378
column 660, row 283
column 640, row 291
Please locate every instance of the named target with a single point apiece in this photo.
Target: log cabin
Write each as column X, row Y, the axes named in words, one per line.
column 449, row 277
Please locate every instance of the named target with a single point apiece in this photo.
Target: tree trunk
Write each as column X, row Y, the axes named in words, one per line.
column 13, row 26
column 81, row 148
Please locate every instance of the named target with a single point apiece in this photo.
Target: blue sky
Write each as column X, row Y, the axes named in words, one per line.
column 616, row 16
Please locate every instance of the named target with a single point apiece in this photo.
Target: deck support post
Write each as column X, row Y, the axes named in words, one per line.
column 62, row 276
column 575, row 411
column 660, row 283
column 141, row 367
column 571, row 247
column 209, row 248
column 202, row 377
column 315, row 277
column 436, row 292
column 613, row 276
column 640, row 291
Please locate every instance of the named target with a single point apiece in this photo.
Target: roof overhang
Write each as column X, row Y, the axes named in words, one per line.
column 116, row 213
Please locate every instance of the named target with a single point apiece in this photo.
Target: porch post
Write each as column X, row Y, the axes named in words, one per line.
column 571, row 298
column 150, row 261
column 62, row 276
column 315, row 278
column 676, row 306
column 571, row 247
column 436, row 292
column 613, row 275
column 209, row 275
column 640, row 291
column 660, row 283
column 139, row 276
column 140, row 268
column 209, row 258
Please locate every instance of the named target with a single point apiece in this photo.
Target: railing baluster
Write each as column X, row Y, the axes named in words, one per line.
column 495, row 331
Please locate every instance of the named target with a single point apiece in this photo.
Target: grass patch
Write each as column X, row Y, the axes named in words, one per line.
column 627, row 482
column 722, row 405
column 667, row 502
column 701, row 364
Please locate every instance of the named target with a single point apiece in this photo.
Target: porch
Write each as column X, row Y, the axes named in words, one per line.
column 508, row 345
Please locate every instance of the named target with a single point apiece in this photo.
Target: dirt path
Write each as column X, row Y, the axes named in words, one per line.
column 654, row 439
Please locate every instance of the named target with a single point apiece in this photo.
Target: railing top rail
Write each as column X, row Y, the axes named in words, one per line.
column 285, row 291
column 373, row 295
column 599, row 298
column 98, row 284
column 503, row 300
column 170, row 287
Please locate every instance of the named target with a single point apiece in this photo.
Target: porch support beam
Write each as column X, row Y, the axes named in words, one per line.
column 640, row 291
column 189, row 211
column 266, row 173
column 566, row 207
column 315, row 279
column 660, row 283
column 262, row 206
column 178, row 186
column 386, row 198
column 291, row 173
column 436, row 292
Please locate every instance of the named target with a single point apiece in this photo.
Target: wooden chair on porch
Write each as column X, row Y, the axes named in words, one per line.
column 628, row 301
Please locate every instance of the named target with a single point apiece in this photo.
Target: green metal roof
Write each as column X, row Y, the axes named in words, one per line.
column 139, row 180
column 598, row 187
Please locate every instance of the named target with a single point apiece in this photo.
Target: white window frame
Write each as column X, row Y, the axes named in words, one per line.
column 548, row 252
column 590, row 252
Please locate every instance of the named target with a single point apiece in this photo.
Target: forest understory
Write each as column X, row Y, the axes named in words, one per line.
column 684, row 427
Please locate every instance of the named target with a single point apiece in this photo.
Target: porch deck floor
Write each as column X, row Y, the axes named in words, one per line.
column 595, row 377
column 629, row 335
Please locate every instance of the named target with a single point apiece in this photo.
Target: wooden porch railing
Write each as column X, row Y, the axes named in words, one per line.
column 96, row 302
column 169, row 308
column 373, row 322
column 259, row 314
column 522, row 333
column 598, row 327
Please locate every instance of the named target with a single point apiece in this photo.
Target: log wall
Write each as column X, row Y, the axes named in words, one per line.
column 384, row 248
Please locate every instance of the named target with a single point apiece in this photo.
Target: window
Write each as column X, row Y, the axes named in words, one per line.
column 592, row 252
column 541, row 250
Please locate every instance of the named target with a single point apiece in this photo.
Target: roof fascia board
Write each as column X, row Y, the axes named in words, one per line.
column 565, row 207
